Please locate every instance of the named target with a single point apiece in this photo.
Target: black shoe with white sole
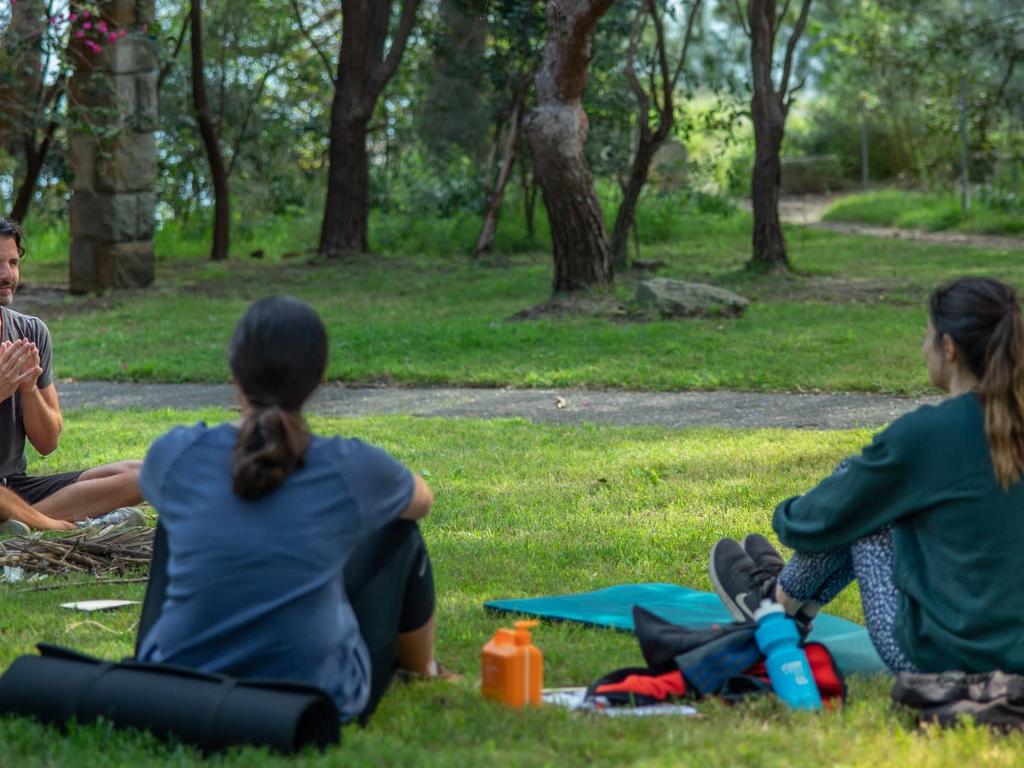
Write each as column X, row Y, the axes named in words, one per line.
column 768, row 559
column 739, row 581
column 763, row 553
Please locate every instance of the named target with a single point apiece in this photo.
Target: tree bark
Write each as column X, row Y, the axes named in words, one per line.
column 485, row 240
column 208, row 132
column 363, row 71
column 768, row 108
column 557, row 131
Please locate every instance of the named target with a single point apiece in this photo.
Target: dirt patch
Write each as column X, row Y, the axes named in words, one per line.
column 997, row 242
column 52, row 302
column 581, row 304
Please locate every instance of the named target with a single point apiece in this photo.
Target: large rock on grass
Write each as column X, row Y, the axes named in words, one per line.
column 676, row 298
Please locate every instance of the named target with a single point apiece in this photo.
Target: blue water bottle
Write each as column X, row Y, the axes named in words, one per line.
column 785, row 660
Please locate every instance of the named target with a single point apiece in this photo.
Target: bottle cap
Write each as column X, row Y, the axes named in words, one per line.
column 522, row 631
column 767, row 607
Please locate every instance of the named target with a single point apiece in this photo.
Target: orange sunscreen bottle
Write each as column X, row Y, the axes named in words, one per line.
column 512, row 667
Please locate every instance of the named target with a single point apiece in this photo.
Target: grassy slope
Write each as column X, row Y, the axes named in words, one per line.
column 931, row 211
column 522, row 510
column 851, row 321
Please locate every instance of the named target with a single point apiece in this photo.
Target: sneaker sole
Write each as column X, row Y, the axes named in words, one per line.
column 731, row 605
column 14, row 528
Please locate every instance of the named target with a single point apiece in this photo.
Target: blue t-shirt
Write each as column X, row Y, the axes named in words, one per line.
column 255, row 588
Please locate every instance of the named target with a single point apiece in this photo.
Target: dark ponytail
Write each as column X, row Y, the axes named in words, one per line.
column 278, row 355
column 982, row 317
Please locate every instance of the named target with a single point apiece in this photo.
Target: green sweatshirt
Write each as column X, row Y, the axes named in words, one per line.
column 958, row 536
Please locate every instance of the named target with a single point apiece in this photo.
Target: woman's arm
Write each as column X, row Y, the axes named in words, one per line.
column 421, row 501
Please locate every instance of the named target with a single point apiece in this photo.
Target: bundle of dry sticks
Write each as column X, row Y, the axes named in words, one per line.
column 99, row 551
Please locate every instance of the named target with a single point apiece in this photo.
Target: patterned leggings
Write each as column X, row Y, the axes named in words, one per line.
column 820, row 576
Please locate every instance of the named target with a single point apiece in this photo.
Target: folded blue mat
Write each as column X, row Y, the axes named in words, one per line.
column 613, row 607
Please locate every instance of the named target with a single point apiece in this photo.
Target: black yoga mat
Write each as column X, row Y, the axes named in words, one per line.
column 211, row 712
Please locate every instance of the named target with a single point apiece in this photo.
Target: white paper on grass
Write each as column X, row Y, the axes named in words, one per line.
column 98, row 605
column 574, row 699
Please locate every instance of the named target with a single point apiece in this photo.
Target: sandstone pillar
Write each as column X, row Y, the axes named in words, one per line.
column 112, row 151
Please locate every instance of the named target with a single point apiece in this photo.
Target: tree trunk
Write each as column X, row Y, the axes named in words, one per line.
column 768, row 113
column 557, row 131
column 626, row 217
column 363, row 71
column 529, row 185
column 208, row 132
column 345, row 231
column 769, row 244
column 508, row 158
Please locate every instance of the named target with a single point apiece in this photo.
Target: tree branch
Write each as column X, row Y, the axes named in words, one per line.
column 384, row 71
column 307, row 34
column 250, row 107
column 642, row 99
column 694, row 13
column 794, row 38
column 742, row 18
column 165, row 70
column 781, row 18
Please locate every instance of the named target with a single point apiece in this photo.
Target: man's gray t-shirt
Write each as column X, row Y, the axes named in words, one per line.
column 12, row 425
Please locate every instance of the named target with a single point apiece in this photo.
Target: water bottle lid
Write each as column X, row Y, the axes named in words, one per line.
column 766, row 608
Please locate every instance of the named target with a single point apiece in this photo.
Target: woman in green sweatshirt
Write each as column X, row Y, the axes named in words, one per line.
column 928, row 519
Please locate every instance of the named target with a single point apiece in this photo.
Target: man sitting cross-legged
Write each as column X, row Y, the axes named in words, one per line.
column 29, row 409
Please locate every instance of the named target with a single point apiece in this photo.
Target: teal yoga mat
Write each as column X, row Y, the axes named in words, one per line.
column 613, row 607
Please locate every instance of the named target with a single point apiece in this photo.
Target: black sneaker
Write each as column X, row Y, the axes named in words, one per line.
column 739, row 581
column 763, row 553
column 771, row 561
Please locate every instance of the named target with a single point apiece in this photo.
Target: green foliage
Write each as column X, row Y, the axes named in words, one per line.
column 851, row 320
column 521, row 510
column 931, row 211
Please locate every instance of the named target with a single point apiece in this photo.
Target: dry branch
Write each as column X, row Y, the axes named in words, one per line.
column 102, row 552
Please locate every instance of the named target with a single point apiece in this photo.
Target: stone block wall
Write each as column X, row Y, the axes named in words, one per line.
column 113, row 156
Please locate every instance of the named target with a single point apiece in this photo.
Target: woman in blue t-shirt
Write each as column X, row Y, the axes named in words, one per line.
column 287, row 555
column 928, row 518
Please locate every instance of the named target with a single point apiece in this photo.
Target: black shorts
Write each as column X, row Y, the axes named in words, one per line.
column 35, row 489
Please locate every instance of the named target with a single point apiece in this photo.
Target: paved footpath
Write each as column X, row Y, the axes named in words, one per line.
column 567, row 406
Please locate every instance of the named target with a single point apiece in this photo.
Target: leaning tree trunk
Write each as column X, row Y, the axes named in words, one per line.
column 626, row 217
column 208, row 132
column 485, row 240
column 557, row 130
column 36, row 156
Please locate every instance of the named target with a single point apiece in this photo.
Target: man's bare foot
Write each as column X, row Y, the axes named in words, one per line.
column 438, row 671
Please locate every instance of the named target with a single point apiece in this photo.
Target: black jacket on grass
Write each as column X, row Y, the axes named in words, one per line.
column 958, row 536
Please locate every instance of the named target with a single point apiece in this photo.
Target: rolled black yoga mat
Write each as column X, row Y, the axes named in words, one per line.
column 211, row 712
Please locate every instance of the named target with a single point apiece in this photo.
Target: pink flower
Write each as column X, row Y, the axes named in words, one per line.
column 102, row 27
column 87, row 25
column 92, row 46
column 79, row 34
column 73, row 17
column 85, row 14
column 111, row 37
column 122, row 32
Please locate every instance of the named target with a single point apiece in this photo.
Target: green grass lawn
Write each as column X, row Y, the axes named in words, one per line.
column 925, row 210
column 850, row 319
column 525, row 510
